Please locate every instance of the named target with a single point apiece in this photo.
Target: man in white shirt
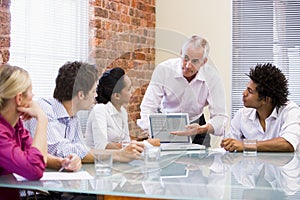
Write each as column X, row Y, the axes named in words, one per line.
column 187, row 85
column 268, row 116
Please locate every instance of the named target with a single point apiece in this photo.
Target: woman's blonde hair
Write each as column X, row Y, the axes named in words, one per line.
column 13, row 80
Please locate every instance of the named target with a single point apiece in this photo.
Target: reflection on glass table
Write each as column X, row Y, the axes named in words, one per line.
column 189, row 175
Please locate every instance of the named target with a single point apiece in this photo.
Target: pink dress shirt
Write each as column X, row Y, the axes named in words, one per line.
column 17, row 156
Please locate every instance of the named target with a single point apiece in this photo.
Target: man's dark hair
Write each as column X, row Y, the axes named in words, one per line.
column 112, row 81
column 271, row 82
column 74, row 77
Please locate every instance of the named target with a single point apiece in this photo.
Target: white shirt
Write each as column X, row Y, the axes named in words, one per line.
column 106, row 124
column 284, row 122
column 169, row 91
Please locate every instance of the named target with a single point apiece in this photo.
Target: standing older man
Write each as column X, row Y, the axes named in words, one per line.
column 187, row 85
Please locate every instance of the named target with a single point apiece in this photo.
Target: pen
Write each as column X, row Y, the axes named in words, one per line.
column 63, row 167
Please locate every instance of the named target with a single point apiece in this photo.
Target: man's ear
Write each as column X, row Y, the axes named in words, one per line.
column 204, row 61
column 80, row 95
column 268, row 99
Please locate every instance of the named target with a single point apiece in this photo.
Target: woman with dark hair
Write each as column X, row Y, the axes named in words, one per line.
column 107, row 125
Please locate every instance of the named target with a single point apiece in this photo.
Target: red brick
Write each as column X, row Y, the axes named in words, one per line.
column 124, row 10
column 135, row 21
column 5, row 56
column 139, row 56
column 125, row 37
column 5, row 17
column 4, row 41
column 113, row 15
column 126, row 2
column 4, row 29
column 100, row 12
column 125, row 19
column 97, row 23
column 133, row 3
column 5, row 3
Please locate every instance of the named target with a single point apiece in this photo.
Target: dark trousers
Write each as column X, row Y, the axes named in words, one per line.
column 203, row 139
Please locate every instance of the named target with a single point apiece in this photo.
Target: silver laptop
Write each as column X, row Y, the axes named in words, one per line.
column 160, row 126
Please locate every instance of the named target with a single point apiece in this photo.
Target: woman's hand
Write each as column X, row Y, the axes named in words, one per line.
column 33, row 110
column 132, row 151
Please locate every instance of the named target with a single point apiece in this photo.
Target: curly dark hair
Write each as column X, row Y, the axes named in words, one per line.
column 112, row 81
column 74, row 77
column 271, row 82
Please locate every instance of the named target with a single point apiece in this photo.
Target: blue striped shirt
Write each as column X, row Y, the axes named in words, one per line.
column 64, row 135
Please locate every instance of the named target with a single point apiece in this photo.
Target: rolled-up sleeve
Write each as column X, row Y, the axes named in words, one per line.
column 290, row 129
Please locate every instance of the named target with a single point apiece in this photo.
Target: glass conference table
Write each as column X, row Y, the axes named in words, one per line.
column 210, row 174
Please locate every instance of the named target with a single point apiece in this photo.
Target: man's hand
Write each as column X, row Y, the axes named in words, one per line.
column 72, row 163
column 192, row 129
column 232, row 145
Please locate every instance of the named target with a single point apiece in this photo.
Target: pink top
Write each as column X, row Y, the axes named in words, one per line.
column 17, row 155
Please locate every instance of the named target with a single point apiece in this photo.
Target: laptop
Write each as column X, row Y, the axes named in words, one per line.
column 160, row 126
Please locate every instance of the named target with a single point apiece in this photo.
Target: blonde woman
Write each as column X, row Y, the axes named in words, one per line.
column 20, row 153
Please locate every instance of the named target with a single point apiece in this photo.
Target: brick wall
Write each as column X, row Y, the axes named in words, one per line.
column 122, row 33
column 4, row 30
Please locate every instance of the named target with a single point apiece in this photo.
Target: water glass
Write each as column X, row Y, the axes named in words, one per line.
column 250, row 147
column 103, row 163
column 152, row 155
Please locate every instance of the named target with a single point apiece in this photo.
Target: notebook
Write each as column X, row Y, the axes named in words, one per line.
column 160, row 126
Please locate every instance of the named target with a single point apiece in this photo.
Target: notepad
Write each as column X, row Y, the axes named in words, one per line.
column 81, row 175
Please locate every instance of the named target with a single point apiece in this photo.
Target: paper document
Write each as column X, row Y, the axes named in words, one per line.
column 81, row 175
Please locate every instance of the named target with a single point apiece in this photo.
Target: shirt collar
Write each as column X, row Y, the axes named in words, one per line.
column 253, row 114
column 60, row 110
column 112, row 109
column 274, row 114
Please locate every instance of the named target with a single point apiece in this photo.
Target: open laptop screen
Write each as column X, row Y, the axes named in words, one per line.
column 162, row 124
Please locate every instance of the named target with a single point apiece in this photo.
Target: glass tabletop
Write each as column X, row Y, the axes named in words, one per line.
column 188, row 175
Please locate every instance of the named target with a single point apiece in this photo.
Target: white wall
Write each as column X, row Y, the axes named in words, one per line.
column 176, row 20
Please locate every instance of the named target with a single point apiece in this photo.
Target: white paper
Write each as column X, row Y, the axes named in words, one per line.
column 81, row 175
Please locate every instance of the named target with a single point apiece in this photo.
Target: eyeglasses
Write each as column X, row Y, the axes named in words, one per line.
column 196, row 62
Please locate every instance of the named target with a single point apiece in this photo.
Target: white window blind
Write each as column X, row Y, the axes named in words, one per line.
column 44, row 35
column 265, row 31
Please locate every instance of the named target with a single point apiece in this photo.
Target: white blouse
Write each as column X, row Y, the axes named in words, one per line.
column 106, row 124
